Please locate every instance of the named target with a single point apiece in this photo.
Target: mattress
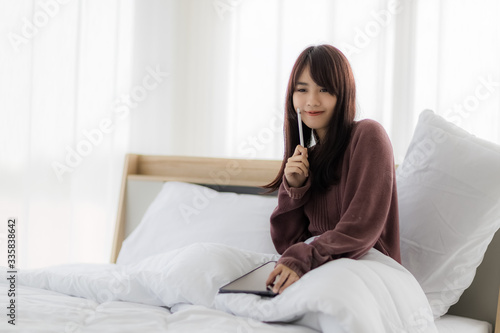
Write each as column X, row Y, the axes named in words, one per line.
column 456, row 324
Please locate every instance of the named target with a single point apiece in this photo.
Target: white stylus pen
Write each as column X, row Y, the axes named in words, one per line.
column 301, row 136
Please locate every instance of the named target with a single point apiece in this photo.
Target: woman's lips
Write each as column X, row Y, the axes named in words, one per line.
column 314, row 113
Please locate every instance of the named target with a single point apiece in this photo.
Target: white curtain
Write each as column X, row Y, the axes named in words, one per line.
column 206, row 78
column 230, row 60
column 63, row 66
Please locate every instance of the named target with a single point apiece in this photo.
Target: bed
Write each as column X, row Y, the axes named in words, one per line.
column 151, row 284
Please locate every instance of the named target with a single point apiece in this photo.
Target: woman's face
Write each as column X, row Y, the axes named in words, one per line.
column 316, row 103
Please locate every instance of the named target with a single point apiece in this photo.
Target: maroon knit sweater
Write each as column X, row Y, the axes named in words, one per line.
column 358, row 213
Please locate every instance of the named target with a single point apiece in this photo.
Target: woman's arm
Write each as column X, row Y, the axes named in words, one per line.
column 289, row 223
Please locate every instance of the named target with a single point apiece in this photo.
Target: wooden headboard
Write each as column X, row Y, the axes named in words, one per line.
column 144, row 175
column 199, row 170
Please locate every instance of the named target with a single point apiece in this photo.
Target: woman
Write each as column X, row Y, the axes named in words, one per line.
column 337, row 198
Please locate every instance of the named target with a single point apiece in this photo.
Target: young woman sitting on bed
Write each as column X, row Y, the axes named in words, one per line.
column 337, row 195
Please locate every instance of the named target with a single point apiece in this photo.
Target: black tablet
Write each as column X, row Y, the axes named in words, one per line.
column 253, row 282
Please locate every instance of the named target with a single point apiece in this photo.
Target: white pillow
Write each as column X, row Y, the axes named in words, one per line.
column 183, row 214
column 449, row 207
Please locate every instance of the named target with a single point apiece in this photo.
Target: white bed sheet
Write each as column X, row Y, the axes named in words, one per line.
column 40, row 310
column 456, row 324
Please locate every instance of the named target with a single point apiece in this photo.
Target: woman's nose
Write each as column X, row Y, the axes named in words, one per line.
column 312, row 99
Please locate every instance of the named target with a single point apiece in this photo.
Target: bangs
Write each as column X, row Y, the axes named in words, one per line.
column 321, row 69
column 323, row 74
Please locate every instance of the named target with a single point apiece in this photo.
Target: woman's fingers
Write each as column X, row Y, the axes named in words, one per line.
column 292, row 278
column 286, row 278
column 281, row 281
column 299, row 150
column 300, row 154
column 272, row 276
column 299, row 159
column 297, row 167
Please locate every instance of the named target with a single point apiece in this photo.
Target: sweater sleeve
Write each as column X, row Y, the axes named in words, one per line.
column 366, row 202
column 289, row 224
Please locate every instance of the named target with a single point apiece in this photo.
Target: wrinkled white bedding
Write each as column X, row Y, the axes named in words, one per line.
column 47, row 311
column 371, row 294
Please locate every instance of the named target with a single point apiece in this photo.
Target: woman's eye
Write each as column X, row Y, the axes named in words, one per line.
column 300, row 89
column 324, row 90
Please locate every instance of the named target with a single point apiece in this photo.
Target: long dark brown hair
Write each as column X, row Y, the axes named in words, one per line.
column 330, row 69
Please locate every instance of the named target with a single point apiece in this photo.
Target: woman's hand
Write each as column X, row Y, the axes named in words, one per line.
column 286, row 277
column 297, row 167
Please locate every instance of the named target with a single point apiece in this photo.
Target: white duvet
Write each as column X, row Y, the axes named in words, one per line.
column 371, row 294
